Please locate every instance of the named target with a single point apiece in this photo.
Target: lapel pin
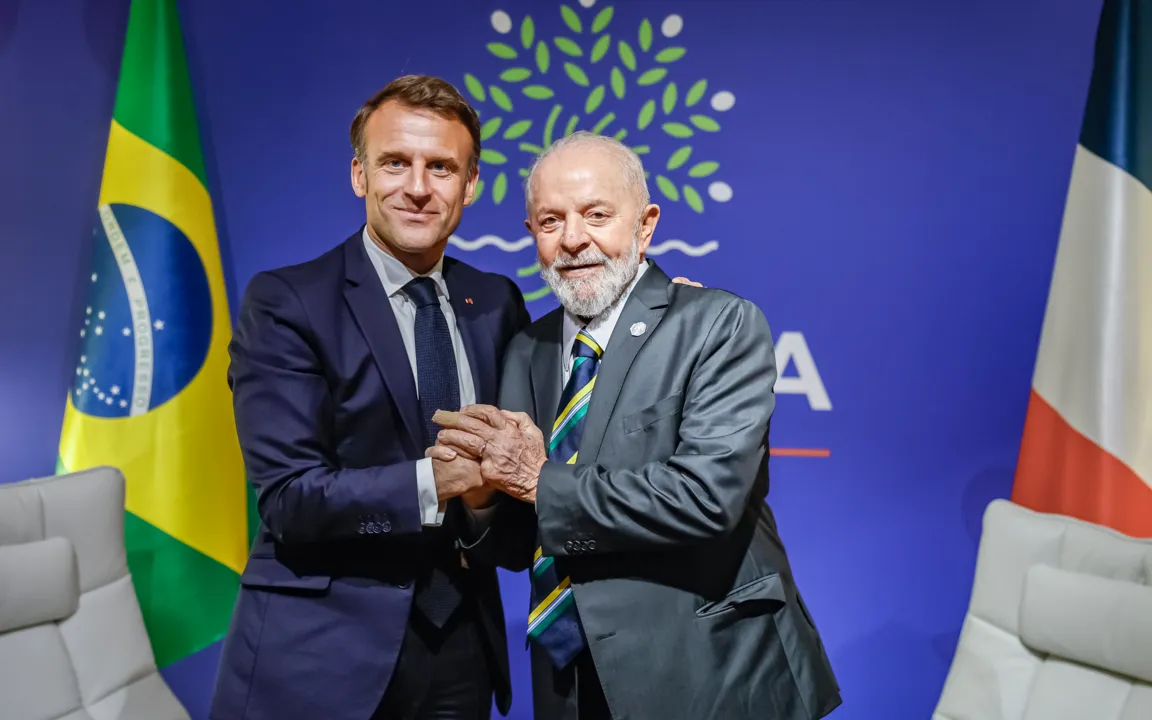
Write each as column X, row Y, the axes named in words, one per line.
column 468, row 300
column 638, row 329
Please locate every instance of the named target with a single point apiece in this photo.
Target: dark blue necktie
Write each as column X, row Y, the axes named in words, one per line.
column 439, row 388
column 438, row 382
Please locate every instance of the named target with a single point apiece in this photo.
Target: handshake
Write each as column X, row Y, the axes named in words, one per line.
column 482, row 449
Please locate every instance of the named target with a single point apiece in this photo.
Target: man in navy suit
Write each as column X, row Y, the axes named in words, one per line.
column 371, row 588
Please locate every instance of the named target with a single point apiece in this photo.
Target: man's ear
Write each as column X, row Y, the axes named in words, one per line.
column 470, row 187
column 359, row 181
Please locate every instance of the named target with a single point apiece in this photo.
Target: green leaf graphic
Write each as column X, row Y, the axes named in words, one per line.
column 571, row 19
column 517, row 129
column 669, row 100
column 527, row 32
column 678, row 130
column 499, row 188
column 670, row 54
column 652, row 76
column 538, row 92
column 542, row 56
column 627, row 56
column 501, row 50
column 515, row 74
column 529, row 147
column 705, row 123
column 679, row 157
column 667, row 188
column 594, row 99
column 526, row 271
column 479, row 190
column 602, row 19
column 645, row 35
column 489, row 128
column 571, row 126
column 703, row 169
column 642, row 150
column 601, row 48
column 617, row 83
column 695, row 92
column 567, row 47
column 537, row 294
column 693, row 199
column 604, row 122
column 492, row 157
column 500, row 98
column 578, row 76
column 647, row 110
column 523, row 172
column 474, row 86
column 621, row 135
column 550, row 124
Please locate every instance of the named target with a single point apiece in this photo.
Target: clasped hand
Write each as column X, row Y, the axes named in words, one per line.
column 505, row 449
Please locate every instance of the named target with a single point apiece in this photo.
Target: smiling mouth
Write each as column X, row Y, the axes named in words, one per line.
column 415, row 214
column 580, row 270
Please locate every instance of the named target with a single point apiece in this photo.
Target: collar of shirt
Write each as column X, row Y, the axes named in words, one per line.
column 395, row 274
column 600, row 328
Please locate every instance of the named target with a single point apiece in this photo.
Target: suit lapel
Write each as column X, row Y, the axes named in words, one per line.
column 475, row 332
column 646, row 305
column 372, row 311
column 546, row 375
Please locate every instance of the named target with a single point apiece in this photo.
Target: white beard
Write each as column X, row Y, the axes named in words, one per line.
column 589, row 297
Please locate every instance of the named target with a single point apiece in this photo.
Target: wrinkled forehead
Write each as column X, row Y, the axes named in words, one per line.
column 579, row 176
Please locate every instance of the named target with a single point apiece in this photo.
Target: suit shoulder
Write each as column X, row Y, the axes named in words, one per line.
column 299, row 275
column 721, row 311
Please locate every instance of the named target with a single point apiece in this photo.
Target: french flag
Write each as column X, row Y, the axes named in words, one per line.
column 1087, row 444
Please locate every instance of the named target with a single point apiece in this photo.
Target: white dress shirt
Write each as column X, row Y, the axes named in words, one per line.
column 394, row 275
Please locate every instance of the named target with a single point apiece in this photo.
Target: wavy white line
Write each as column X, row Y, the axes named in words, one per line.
column 526, row 241
column 486, row 240
column 693, row 250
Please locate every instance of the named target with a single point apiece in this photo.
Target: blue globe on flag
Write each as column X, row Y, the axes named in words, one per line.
column 147, row 321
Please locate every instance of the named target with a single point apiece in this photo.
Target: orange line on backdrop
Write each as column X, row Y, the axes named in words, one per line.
column 800, row 452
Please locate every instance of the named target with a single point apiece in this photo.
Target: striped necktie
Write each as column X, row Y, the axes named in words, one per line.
column 553, row 623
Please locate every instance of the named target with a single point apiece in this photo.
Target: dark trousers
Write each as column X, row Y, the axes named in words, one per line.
column 442, row 673
column 574, row 693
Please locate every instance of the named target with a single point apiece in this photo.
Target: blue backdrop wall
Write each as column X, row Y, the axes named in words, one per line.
column 885, row 179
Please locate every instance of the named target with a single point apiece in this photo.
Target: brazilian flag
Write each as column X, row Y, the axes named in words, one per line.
column 150, row 395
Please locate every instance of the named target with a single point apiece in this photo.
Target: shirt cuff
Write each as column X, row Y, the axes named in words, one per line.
column 431, row 511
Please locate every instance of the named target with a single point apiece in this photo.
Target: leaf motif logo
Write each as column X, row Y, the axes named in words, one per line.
column 578, row 67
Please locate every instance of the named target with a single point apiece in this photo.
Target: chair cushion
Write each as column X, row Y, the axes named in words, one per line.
column 39, row 583
column 1091, row 620
column 1058, row 624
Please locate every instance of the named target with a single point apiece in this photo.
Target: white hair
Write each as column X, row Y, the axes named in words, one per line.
column 631, row 168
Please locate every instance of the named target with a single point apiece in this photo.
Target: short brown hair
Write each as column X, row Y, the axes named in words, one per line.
column 422, row 92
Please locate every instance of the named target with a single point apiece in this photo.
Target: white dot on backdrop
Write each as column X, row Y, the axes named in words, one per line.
column 587, row 3
column 501, row 23
column 672, row 26
column 723, row 100
column 720, row 191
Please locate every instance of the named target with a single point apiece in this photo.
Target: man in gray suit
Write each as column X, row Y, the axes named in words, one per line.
column 660, row 586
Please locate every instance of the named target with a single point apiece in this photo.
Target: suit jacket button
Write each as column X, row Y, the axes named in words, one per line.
column 386, row 526
column 568, row 546
column 404, row 584
column 591, row 545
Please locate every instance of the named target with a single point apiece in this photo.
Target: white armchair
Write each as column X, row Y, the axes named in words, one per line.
column 72, row 639
column 1059, row 626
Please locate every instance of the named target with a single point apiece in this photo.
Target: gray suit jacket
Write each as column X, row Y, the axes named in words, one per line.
column 680, row 578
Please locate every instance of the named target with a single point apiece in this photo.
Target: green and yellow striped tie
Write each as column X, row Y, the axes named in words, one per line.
column 553, row 623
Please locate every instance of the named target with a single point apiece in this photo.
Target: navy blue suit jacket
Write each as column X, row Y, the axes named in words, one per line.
column 329, row 424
